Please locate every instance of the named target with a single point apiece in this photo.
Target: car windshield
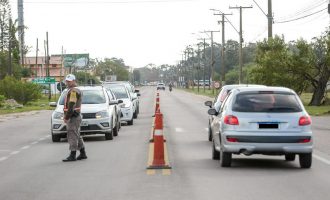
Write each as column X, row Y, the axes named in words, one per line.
column 266, row 102
column 89, row 97
column 119, row 91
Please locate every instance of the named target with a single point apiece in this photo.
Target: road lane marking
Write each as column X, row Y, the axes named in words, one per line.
column 207, row 129
column 3, row 158
column 41, row 139
column 14, row 152
column 326, row 161
column 33, row 143
column 26, row 147
column 178, row 130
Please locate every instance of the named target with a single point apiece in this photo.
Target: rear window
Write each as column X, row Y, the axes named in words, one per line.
column 266, row 102
column 119, row 92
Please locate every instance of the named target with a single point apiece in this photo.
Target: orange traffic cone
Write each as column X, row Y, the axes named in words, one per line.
column 159, row 158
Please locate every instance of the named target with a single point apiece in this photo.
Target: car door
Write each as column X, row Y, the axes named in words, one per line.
column 218, row 119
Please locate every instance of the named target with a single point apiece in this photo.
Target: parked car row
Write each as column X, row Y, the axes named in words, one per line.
column 103, row 110
column 257, row 119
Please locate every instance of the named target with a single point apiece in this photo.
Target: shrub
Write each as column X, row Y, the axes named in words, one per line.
column 22, row 92
column 2, row 100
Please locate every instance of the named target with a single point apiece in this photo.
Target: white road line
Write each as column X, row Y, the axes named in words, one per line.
column 178, row 130
column 326, row 161
column 207, row 129
column 26, row 147
column 14, row 152
column 3, row 158
column 47, row 136
column 41, row 139
column 33, row 143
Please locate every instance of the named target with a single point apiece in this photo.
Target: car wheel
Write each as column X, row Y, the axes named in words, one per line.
column 135, row 115
column 215, row 153
column 225, row 158
column 109, row 135
column 210, row 133
column 130, row 122
column 290, row 157
column 56, row 138
column 115, row 130
column 305, row 160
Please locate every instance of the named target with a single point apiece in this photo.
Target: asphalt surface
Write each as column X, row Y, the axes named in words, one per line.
column 31, row 166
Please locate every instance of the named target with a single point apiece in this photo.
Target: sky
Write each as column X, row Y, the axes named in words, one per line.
column 157, row 31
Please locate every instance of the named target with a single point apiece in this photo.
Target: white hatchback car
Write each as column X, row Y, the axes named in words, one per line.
column 264, row 120
column 100, row 114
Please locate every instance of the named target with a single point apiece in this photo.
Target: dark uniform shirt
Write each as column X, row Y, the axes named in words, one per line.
column 72, row 104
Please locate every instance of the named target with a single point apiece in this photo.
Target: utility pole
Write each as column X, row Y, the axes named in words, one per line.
column 37, row 59
column 21, row 29
column 240, row 40
column 270, row 19
column 47, row 61
column 211, row 68
column 223, row 75
column 9, row 70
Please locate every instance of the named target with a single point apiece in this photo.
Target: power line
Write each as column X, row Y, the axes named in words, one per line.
column 279, row 22
column 304, row 10
column 107, row 2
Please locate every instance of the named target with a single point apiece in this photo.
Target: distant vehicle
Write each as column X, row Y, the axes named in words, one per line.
column 100, row 114
column 220, row 98
column 262, row 120
column 160, row 86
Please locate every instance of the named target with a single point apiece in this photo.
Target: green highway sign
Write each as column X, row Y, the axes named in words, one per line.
column 45, row 80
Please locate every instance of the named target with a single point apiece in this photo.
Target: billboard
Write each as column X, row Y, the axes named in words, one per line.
column 77, row 61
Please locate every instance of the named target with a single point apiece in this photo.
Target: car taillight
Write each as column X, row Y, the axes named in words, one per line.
column 306, row 140
column 231, row 120
column 305, row 120
column 231, row 139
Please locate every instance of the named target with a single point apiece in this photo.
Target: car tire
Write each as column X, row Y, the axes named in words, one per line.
column 215, row 153
column 210, row 133
column 115, row 130
column 290, row 157
column 225, row 158
column 305, row 160
column 130, row 122
column 109, row 135
column 56, row 138
column 135, row 115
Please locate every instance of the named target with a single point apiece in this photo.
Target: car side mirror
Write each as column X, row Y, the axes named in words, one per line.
column 120, row 101
column 113, row 102
column 212, row 111
column 137, row 91
column 52, row 104
column 208, row 103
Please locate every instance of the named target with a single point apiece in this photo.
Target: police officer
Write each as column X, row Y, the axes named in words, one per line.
column 72, row 118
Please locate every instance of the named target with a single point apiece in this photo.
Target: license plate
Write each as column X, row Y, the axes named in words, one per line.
column 268, row 125
column 84, row 123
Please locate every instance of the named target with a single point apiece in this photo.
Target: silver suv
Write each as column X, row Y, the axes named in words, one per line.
column 100, row 114
column 264, row 120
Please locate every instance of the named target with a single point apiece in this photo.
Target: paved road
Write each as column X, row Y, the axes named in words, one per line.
column 31, row 166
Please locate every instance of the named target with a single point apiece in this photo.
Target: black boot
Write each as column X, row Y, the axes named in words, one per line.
column 82, row 154
column 72, row 157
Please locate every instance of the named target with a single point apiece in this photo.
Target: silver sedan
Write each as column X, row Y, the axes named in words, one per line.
column 264, row 120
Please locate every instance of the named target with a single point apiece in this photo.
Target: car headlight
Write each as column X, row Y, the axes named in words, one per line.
column 102, row 114
column 58, row 115
column 126, row 105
